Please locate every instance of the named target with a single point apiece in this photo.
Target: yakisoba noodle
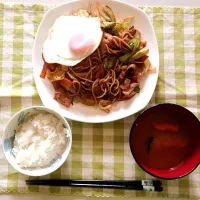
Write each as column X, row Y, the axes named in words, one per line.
column 112, row 73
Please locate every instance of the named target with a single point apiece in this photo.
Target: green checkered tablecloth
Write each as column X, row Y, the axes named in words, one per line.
column 101, row 151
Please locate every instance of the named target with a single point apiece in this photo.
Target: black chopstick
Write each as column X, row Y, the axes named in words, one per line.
column 146, row 185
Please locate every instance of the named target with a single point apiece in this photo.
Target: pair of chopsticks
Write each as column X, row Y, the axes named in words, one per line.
column 145, row 185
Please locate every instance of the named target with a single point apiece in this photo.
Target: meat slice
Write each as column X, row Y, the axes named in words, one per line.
column 63, row 99
column 61, row 95
column 126, row 84
column 130, row 90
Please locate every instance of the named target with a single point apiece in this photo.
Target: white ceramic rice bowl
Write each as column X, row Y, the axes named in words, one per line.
column 8, row 138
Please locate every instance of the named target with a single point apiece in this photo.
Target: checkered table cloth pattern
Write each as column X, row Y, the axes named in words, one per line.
column 101, row 151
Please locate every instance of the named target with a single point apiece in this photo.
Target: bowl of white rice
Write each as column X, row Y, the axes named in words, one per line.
column 37, row 141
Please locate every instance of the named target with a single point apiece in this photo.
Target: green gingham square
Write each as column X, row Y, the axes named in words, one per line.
column 101, row 151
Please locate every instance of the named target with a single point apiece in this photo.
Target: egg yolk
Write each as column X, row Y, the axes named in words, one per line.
column 79, row 43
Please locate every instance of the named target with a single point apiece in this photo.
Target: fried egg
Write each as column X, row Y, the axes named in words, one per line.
column 71, row 39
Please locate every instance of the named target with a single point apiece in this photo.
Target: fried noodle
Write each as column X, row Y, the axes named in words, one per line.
column 102, row 78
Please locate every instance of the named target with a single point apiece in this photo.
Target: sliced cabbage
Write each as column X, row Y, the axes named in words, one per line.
column 126, row 22
column 147, row 65
column 82, row 13
column 106, row 13
column 105, row 105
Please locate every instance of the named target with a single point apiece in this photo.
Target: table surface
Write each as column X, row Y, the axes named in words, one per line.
column 191, row 3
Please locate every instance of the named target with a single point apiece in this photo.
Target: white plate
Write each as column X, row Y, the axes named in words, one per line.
column 78, row 111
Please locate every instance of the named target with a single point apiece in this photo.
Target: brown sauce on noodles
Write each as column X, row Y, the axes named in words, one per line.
column 102, row 78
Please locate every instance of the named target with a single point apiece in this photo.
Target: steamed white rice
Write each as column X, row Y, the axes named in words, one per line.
column 40, row 140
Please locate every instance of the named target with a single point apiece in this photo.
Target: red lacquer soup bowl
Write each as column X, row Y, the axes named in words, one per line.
column 165, row 141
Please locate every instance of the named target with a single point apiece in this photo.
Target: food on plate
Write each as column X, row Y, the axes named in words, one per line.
column 94, row 58
column 39, row 141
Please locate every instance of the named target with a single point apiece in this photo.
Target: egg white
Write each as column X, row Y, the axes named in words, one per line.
column 56, row 47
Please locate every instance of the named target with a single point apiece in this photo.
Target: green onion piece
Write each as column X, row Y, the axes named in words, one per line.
column 108, row 11
column 109, row 25
column 134, row 44
column 108, row 63
column 125, row 58
column 137, row 89
column 117, row 28
column 139, row 54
